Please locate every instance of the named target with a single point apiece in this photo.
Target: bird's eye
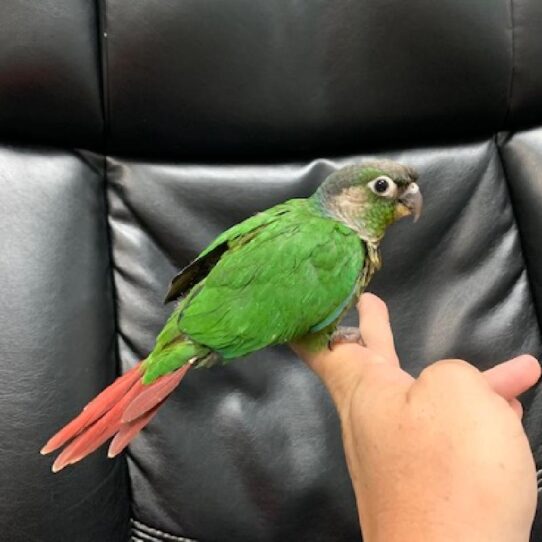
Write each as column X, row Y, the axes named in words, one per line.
column 383, row 186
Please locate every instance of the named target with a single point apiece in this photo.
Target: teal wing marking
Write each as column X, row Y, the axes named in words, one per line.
column 279, row 279
column 335, row 314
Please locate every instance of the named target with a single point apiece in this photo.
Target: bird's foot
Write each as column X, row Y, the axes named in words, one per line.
column 345, row 334
column 212, row 359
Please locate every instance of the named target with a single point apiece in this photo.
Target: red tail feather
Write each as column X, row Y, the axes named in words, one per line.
column 106, row 416
column 152, row 395
column 129, row 430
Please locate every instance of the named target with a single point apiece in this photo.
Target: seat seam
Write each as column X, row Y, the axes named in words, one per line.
column 511, row 81
column 523, row 251
column 103, row 66
column 103, row 76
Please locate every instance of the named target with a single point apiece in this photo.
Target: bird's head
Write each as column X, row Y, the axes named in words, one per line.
column 370, row 196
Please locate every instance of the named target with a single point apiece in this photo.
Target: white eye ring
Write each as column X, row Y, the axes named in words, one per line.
column 383, row 186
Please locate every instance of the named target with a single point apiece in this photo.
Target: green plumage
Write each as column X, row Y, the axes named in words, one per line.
column 285, row 271
column 285, row 274
column 286, row 278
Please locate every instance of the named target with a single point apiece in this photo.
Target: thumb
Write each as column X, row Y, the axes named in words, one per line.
column 513, row 377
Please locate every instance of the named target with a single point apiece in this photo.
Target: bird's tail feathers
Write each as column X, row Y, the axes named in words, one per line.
column 120, row 411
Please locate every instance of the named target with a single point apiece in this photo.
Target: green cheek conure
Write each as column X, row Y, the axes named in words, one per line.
column 287, row 274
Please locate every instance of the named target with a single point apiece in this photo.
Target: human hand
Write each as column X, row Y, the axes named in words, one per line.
column 437, row 458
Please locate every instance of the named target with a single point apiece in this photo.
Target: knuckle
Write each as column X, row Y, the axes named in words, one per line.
column 449, row 370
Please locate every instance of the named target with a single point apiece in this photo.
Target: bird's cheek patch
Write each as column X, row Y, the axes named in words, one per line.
column 353, row 194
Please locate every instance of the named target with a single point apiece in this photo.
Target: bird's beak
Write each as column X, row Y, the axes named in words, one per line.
column 410, row 202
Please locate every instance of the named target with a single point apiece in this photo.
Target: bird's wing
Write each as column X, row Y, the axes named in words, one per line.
column 240, row 233
column 290, row 277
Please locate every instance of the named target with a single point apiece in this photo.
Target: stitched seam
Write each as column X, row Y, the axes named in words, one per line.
column 142, row 537
column 103, row 59
column 146, row 530
column 104, row 92
column 523, row 251
column 513, row 67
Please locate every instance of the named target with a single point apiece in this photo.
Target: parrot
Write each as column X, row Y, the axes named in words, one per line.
column 285, row 275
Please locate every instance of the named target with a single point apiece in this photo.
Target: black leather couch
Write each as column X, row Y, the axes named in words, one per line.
column 132, row 132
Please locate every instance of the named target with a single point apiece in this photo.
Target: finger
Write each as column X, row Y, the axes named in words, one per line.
column 517, row 407
column 375, row 327
column 513, row 377
column 339, row 368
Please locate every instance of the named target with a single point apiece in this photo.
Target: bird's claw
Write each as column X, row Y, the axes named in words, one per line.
column 345, row 334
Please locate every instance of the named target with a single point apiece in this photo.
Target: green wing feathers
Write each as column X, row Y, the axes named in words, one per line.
column 244, row 231
column 238, row 234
